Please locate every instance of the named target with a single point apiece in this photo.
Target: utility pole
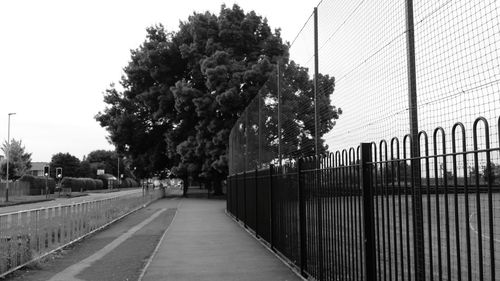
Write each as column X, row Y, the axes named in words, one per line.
column 417, row 209
column 8, row 160
column 316, row 72
column 278, row 72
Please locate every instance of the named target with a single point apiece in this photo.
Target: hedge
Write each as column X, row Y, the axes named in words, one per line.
column 98, row 184
column 129, row 182
column 37, row 184
column 81, row 184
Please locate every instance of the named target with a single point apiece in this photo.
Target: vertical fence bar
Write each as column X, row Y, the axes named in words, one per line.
column 257, row 234
column 437, row 208
column 302, row 220
column 271, row 207
column 456, row 205
column 367, row 196
column 478, row 190
column 245, row 222
column 319, row 193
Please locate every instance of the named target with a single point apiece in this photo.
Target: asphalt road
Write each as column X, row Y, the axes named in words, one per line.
column 118, row 252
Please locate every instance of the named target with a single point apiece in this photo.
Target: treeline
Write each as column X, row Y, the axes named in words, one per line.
column 108, row 161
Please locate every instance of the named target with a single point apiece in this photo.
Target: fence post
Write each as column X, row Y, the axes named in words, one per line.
column 271, row 208
column 236, row 185
column 368, row 223
column 256, row 203
column 245, row 199
column 302, row 220
column 228, row 194
column 319, row 210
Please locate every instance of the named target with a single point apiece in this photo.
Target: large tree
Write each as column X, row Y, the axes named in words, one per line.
column 183, row 92
column 108, row 161
column 70, row 165
column 19, row 160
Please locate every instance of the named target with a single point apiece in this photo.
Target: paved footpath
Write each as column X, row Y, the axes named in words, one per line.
column 203, row 243
column 171, row 239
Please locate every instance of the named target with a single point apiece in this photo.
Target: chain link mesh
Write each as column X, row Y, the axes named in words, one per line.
column 362, row 46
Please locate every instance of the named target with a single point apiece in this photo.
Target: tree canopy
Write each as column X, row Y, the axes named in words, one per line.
column 108, row 161
column 87, row 168
column 70, row 164
column 183, row 91
column 19, row 159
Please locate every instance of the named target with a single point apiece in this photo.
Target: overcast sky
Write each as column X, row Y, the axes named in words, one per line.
column 57, row 58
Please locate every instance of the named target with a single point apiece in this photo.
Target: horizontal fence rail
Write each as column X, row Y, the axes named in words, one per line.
column 28, row 235
column 350, row 215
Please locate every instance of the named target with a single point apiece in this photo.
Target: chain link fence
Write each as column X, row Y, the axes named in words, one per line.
column 362, row 53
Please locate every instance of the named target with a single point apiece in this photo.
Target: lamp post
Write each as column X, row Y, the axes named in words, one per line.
column 8, row 160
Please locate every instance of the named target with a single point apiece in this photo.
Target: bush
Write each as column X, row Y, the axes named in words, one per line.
column 68, row 182
column 89, row 184
column 80, row 184
column 37, row 184
column 98, row 184
column 129, row 182
column 123, row 184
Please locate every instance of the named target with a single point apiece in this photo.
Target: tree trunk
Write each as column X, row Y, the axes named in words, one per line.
column 217, row 186
column 185, row 185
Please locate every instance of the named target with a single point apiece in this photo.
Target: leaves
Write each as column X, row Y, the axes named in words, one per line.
column 19, row 159
column 70, row 164
column 183, row 91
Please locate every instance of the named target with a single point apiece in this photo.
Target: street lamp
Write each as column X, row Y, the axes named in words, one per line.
column 8, row 160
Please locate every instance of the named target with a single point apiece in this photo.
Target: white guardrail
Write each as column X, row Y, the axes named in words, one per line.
column 26, row 236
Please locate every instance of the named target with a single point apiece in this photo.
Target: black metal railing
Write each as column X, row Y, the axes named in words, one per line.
column 350, row 215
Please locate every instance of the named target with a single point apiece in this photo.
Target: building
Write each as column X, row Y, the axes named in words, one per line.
column 37, row 168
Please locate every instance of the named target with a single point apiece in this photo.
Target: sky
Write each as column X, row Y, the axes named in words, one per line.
column 57, row 57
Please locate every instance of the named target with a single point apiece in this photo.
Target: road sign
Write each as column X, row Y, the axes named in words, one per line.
column 100, row 172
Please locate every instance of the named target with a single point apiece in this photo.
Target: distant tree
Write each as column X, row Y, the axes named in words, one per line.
column 70, row 164
column 19, row 160
column 395, row 171
column 445, row 173
column 473, row 173
column 449, row 176
column 490, row 173
column 108, row 161
column 85, row 170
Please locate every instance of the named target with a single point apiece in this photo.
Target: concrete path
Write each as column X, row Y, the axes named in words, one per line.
column 203, row 243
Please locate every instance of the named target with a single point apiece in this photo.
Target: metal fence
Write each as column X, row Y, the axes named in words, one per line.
column 449, row 67
column 353, row 214
column 419, row 206
column 28, row 235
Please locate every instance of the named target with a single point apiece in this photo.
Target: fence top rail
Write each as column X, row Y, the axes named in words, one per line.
column 64, row 205
column 436, row 155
